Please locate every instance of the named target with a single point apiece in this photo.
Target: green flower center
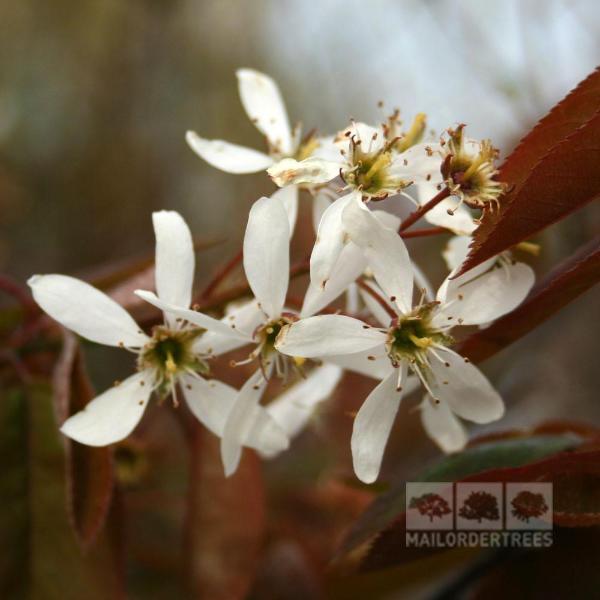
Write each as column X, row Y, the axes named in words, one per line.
column 170, row 353
column 411, row 337
column 267, row 334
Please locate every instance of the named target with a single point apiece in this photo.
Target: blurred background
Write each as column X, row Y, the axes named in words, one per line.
column 95, row 99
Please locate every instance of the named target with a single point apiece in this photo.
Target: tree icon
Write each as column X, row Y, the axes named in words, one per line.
column 527, row 505
column 478, row 506
column 430, row 505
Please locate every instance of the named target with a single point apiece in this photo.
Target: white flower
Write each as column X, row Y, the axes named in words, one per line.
column 171, row 356
column 374, row 163
column 258, row 322
column 413, row 338
column 469, row 173
column 372, row 160
column 264, row 106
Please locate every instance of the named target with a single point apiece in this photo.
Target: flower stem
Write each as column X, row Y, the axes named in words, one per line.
column 222, row 274
column 425, row 232
column 417, row 214
column 239, row 291
column 20, row 293
column 381, row 301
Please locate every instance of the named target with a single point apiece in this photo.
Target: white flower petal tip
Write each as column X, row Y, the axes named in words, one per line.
column 288, row 196
column 267, row 254
column 442, row 426
column 264, row 106
column 231, row 460
column 465, row 388
column 82, row 308
column 373, row 424
column 476, row 299
column 242, row 419
column 308, row 171
column 113, row 415
column 175, row 258
column 227, row 157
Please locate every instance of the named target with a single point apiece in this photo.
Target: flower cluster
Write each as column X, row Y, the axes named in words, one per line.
column 393, row 330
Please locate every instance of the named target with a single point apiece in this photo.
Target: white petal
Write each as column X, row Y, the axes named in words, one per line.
column 442, row 426
column 468, row 392
column 113, row 415
column 239, row 421
column 352, row 298
column 420, row 163
column 289, row 198
column 331, row 238
column 216, row 344
column 321, row 202
column 460, row 222
column 265, row 434
column 227, row 157
column 456, row 251
column 385, row 251
column 371, row 138
column 310, row 170
column 455, row 254
column 210, row 401
column 487, row 297
column 327, row 149
column 197, row 318
column 264, row 106
column 293, row 409
column 175, row 259
column 85, row 310
column 349, row 267
column 373, row 424
column 387, row 219
column 327, row 335
column 244, row 318
column 373, row 363
column 267, row 254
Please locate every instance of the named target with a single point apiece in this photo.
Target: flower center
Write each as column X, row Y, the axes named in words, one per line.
column 411, row 336
column 472, row 176
column 370, row 173
column 269, row 358
column 169, row 353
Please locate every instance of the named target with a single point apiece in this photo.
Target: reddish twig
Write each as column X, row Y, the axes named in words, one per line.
column 243, row 289
column 221, row 275
column 381, row 301
column 417, row 214
column 19, row 292
column 425, row 232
